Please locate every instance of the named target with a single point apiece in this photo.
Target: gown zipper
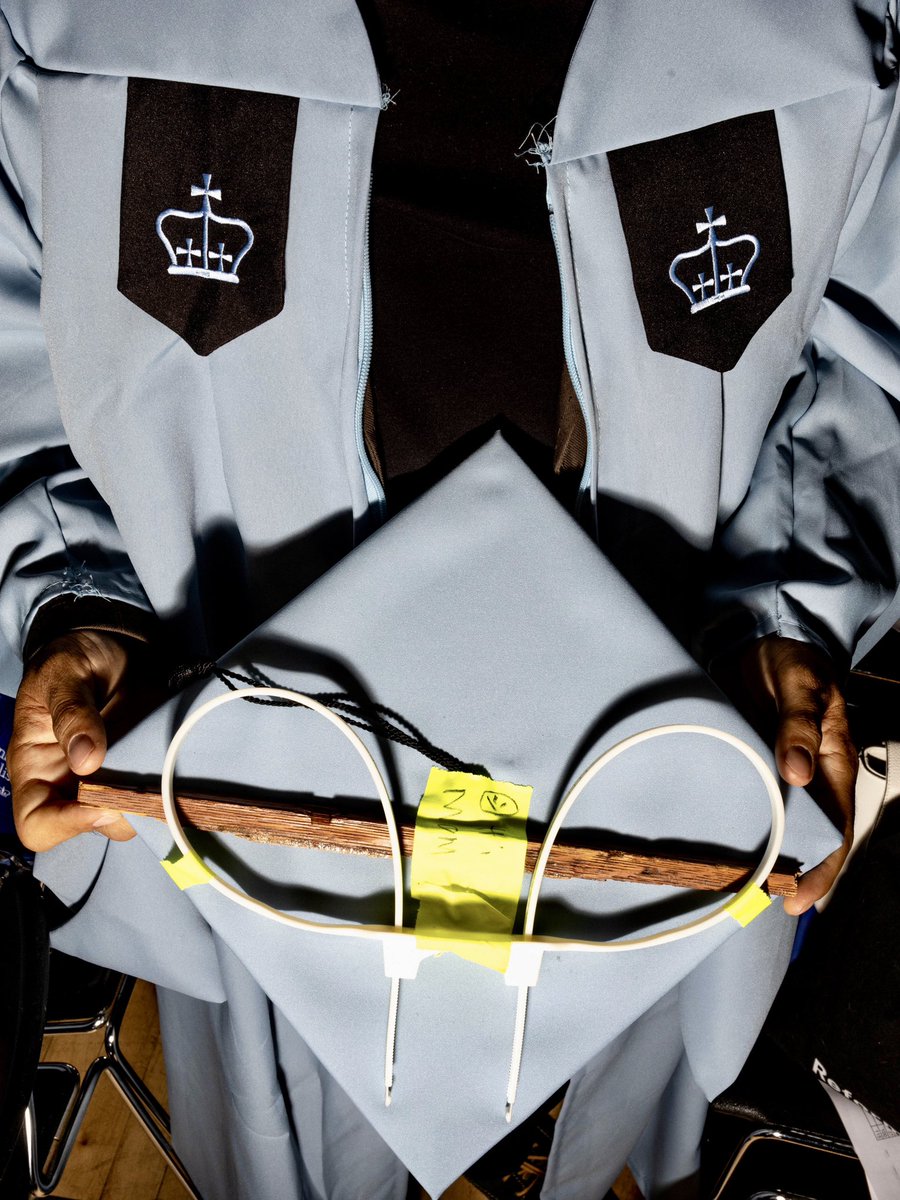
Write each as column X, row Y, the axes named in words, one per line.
column 538, row 152
column 377, row 509
column 586, row 486
column 374, row 490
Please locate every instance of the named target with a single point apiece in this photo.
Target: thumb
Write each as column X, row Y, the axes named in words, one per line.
column 801, row 707
column 77, row 723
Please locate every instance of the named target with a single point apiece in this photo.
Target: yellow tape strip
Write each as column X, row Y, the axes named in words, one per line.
column 468, row 864
column 187, row 870
column 748, row 904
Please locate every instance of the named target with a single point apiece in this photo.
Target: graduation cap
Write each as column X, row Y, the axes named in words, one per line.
column 491, row 622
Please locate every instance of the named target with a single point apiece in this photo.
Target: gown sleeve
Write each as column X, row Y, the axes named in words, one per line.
column 63, row 565
column 813, row 551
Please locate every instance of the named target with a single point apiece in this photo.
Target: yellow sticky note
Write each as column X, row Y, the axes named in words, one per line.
column 187, row 870
column 468, row 863
column 748, row 904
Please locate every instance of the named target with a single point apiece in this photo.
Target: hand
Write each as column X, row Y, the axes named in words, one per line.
column 793, row 687
column 66, row 699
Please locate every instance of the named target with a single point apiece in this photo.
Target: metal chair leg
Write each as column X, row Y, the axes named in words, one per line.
column 143, row 1104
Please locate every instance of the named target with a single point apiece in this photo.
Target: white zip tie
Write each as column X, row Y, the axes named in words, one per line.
column 390, row 1041
column 526, row 950
column 265, row 910
column 515, row 1065
column 689, row 928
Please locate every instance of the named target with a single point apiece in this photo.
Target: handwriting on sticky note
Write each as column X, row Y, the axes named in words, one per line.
column 468, row 863
column 499, row 803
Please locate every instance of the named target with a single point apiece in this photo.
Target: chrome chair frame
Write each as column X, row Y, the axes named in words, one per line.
column 46, row 1175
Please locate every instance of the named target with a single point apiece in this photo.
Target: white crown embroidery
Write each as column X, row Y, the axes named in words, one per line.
column 226, row 264
column 719, row 285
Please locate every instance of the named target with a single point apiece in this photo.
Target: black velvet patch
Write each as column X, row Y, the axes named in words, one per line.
column 663, row 189
column 177, row 134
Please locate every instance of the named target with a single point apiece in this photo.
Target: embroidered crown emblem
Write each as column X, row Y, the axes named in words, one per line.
column 713, row 283
column 202, row 242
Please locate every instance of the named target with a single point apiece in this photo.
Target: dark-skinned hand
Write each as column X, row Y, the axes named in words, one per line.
column 76, row 691
column 85, row 680
column 790, row 691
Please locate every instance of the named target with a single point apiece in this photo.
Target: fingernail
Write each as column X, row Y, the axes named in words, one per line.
column 80, row 749
column 105, row 819
column 799, row 760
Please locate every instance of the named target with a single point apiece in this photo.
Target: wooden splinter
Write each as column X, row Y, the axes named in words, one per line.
column 319, row 827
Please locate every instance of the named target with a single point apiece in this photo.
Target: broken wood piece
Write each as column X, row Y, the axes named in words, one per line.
column 319, row 827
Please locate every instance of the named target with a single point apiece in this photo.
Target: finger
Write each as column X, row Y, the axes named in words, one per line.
column 834, row 789
column 74, row 680
column 45, row 816
column 58, row 728
column 43, row 788
column 801, row 698
column 816, row 883
column 51, row 823
column 73, row 704
column 40, row 776
column 835, row 785
column 46, row 813
column 45, row 808
column 115, row 827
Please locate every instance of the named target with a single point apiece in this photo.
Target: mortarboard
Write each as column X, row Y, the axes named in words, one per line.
column 487, row 618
